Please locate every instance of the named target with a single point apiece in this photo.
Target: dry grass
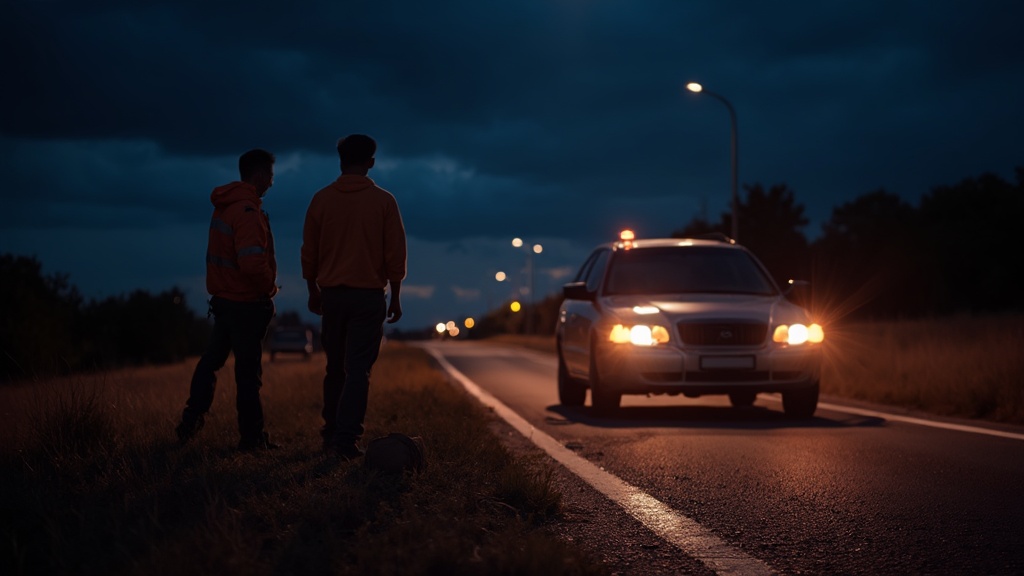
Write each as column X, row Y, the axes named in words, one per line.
column 93, row 482
column 965, row 366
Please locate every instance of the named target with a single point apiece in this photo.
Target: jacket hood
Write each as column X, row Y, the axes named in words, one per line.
column 353, row 183
column 234, row 192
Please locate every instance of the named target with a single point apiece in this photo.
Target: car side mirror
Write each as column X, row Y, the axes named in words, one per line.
column 799, row 293
column 577, row 291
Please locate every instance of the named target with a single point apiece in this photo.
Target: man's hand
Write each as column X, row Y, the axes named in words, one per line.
column 395, row 308
column 394, row 311
column 314, row 303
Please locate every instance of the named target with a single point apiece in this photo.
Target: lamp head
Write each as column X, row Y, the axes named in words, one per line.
column 694, row 87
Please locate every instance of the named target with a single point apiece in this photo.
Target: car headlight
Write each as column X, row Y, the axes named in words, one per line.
column 639, row 335
column 795, row 334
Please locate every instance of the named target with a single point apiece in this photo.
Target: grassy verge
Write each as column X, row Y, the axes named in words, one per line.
column 967, row 366
column 91, row 482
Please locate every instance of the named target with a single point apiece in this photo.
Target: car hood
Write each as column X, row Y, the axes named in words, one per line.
column 672, row 308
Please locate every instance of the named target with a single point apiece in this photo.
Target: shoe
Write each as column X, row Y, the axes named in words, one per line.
column 189, row 427
column 347, row 452
column 259, row 443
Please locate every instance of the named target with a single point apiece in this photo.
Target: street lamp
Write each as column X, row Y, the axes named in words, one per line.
column 499, row 277
column 697, row 88
column 537, row 249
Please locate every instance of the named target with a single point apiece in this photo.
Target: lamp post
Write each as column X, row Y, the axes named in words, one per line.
column 499, row 277
column 537, row 249
column 698, row 89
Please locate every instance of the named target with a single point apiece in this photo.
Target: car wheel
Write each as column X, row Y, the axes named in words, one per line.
column 742, row 399
column 571, row 392
column 801, row 403
column 603, row 400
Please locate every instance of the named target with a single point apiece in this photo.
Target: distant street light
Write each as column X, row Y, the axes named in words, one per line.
column 697, row 88
column 537, row 249
column 499, row 277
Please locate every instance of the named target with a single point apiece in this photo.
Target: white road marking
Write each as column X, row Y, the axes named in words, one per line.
column 911, row 419
column 921, row 421
column 681, row 531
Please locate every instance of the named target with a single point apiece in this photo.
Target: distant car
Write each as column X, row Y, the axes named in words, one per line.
column 291, row 340
column 684, row 316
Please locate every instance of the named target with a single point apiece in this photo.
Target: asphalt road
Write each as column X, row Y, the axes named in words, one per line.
column 842, row 493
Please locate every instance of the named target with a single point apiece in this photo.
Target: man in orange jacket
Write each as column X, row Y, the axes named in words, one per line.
column 353, row 248
column 241, row 275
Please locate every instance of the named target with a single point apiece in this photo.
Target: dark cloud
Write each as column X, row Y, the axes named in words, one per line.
column 561, row 120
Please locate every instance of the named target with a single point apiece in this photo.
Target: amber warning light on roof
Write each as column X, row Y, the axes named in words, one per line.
column 626, row 239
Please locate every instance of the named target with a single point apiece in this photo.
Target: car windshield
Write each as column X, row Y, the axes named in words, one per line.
column 686, row 269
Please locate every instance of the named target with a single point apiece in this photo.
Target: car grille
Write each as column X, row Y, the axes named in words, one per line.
column 726, row 333
column 729, row 376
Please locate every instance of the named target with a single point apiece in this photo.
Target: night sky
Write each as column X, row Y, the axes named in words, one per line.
column 558, row 121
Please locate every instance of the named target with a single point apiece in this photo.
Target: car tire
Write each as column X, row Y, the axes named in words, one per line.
column 801, row 403
column 742, row 399
column 571, row 392
column 604, row 401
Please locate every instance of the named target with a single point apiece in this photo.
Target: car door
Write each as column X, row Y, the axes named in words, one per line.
column 581, row 314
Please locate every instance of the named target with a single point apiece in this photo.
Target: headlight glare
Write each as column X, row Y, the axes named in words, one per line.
column 796, row 334
column 639, row 335
column 619, row 334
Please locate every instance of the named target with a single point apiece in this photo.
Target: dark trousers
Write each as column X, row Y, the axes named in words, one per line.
column 353, row 326
column 239, row 328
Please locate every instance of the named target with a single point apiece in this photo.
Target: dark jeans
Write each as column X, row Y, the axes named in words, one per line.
column 353, row 326
column 238, row 327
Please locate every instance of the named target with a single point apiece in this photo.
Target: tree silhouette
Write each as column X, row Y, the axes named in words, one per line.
column 974, row 234
column 868, row 262
column 700, row 227
column 46, row 328
column 142, row 329
column 39, row 319
column 771, row 224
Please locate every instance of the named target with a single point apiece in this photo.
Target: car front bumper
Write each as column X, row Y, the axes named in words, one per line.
column 629, row 369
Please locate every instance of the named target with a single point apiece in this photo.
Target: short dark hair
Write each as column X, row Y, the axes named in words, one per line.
column 254, row 161
column 356, row 149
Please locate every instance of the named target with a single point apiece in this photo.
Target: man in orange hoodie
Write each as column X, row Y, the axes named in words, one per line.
column 353, row 248
column 241, row 275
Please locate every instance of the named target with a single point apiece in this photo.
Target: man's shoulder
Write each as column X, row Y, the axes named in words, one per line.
column 243, row 206
column 384, row 192
column 328, row 189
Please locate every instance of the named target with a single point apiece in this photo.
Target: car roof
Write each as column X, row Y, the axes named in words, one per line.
column 672, row 242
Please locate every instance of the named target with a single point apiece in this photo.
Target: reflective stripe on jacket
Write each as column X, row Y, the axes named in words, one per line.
column 240, row 261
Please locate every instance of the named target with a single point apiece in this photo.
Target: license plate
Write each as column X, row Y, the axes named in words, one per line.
column 726, row 362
